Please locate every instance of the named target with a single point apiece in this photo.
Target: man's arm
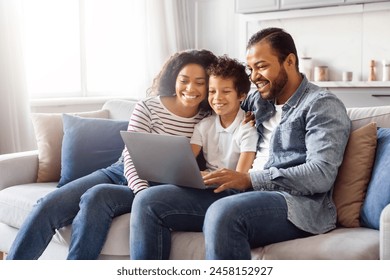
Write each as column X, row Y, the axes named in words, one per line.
column 325, row 139
column 228, row 179
column 327, row 129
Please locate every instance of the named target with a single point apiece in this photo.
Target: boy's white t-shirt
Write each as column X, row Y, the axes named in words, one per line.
column 262, row 154
column 222, row 146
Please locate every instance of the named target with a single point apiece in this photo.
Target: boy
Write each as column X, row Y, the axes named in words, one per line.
column 226, row 141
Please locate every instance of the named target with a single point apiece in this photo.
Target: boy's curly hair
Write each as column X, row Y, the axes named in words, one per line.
column 230, row 68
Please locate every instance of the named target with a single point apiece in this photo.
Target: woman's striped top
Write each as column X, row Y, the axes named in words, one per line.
column 151, row 116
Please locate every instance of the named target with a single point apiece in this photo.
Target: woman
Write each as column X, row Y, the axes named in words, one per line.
column 90, row 203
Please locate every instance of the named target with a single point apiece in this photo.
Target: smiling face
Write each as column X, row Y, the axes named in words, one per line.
column 267, row 73
column 224, row 98
column 191, row 86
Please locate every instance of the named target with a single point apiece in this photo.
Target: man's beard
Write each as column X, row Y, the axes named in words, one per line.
column 277, row 86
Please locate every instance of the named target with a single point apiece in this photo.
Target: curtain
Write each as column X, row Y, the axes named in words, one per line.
column 168, row 29
column 16, row 133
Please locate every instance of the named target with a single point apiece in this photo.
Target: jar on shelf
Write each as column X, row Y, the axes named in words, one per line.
column 306, row 67
column 321, row 73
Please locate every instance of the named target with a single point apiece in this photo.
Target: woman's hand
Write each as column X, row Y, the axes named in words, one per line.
column 228, row 179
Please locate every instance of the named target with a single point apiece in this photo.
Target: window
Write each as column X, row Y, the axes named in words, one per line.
column 82, row 48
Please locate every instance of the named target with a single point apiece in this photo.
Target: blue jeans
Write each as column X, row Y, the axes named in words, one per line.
column 164, row 208
column 89, row 204
column 232, row 222
column 235, row 224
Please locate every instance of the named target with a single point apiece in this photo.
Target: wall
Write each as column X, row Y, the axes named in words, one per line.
column 216, row 26
column 345, row 38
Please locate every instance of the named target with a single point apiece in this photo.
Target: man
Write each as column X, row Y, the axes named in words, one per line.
column 303, row 131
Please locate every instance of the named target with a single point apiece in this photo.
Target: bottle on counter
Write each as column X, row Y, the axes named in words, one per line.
column 372, row 73
column 386, row 70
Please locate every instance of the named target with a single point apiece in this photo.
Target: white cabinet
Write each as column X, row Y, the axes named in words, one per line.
column 363, row 94
column 358, row 98
column 361, row 1
column 259, row 6
column 296, row 4
column 256, row 6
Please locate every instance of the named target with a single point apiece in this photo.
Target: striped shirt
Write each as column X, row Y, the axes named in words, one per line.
column 151, row 116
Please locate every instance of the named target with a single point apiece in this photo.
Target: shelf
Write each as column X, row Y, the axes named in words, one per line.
column 353, row 84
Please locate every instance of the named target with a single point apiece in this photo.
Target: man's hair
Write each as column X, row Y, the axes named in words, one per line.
column 229, row 68
column 280, row 41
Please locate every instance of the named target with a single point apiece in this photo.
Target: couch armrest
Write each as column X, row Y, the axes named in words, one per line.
column 385, row 234
column 18, row 168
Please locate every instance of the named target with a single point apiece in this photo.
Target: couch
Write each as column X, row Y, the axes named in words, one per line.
column 19, row 190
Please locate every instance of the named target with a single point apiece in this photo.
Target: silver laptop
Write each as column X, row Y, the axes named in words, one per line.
column 164, row 159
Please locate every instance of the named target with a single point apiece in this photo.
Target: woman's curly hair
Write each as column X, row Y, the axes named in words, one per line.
column 164, row 82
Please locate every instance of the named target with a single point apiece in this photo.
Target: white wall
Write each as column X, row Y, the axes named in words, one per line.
column 344, row 38
column 216, row 26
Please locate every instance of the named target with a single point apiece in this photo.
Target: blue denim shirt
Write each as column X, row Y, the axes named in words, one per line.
column 306, row 150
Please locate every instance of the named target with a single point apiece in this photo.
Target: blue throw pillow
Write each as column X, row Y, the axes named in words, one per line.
column 88, row 145
column 378, row 191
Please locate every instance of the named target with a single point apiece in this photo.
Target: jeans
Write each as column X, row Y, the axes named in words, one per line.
column 164, row 208
column 89, row 204
column 232, row 222
column 235, row 224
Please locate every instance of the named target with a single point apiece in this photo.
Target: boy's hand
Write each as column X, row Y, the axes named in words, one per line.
column 228, row 179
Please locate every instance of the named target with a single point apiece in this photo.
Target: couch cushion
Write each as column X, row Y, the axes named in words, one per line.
column 120, row 109
column 49, row 132
column 365, row 115
column 117, row 243
column 354, row 174
column 16, row 202
column 378, row 192
column 339, row 244
column 88, row 145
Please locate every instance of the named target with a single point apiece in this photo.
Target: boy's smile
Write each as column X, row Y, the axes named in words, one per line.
column 224, row 99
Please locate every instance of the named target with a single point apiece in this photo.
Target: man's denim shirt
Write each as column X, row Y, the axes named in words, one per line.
column 306, row 150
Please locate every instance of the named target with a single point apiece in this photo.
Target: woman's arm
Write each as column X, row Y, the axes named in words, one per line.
column 141, row 122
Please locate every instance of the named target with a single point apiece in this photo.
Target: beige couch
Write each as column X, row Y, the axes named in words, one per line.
column 19, row 191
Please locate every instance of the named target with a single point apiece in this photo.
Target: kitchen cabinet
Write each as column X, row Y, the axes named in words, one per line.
column 361, row 1
column 360, row 94
column 359, row 98
column 296, row 4
column 256, row 6
column 259, row 6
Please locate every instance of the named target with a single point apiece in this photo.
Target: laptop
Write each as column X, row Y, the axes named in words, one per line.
column 164, row 159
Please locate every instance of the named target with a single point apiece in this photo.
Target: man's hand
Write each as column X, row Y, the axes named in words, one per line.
column 228, row 179
column 249, row 118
